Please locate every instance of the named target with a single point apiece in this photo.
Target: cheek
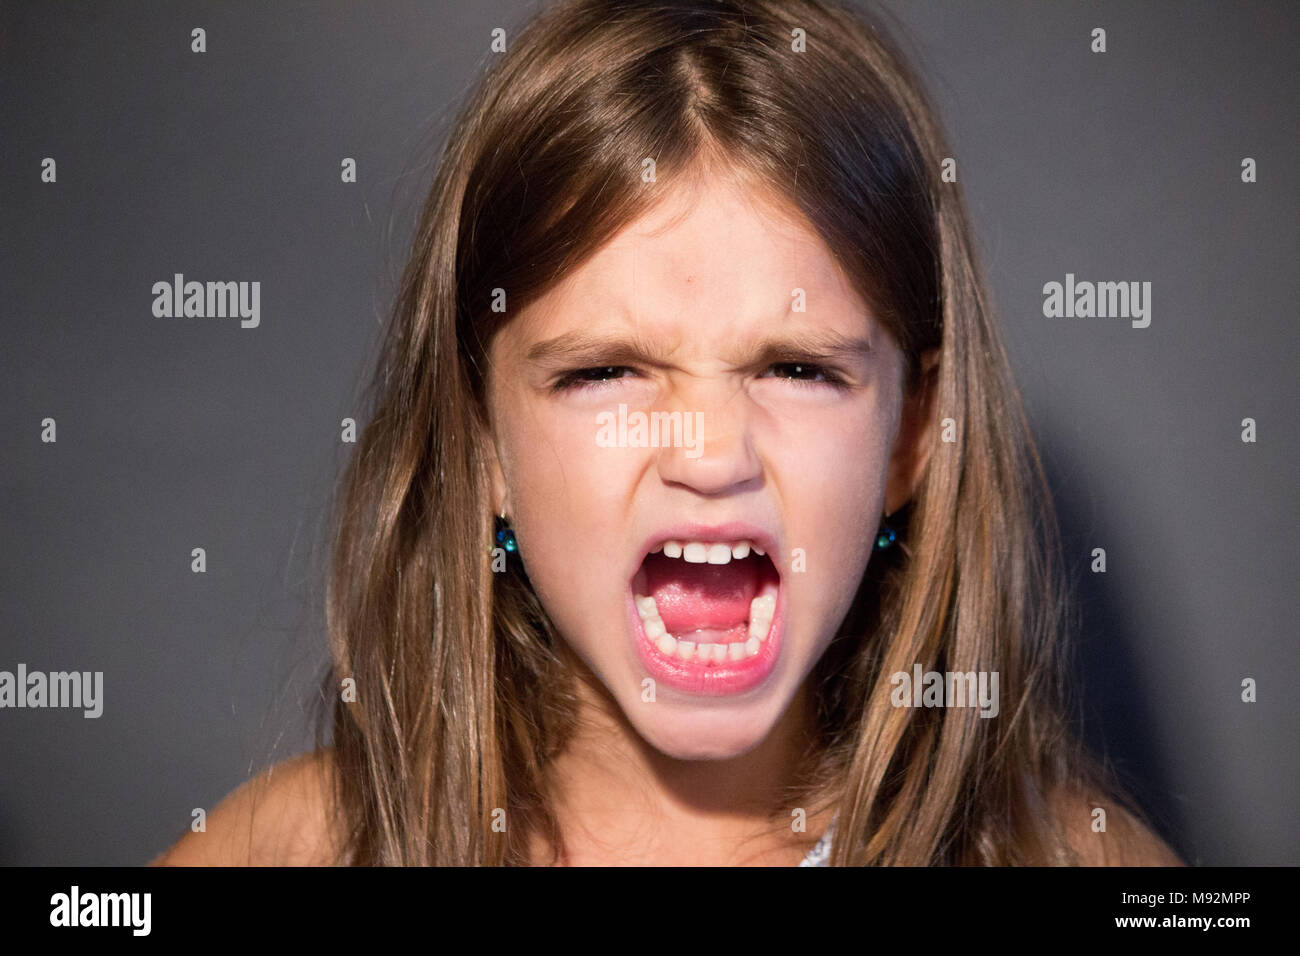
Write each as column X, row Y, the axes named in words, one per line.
column 830, row 476
column 563, row 481
column 570, row 502
column 831, row 471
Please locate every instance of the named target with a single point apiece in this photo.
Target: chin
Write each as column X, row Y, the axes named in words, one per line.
column 687, row 730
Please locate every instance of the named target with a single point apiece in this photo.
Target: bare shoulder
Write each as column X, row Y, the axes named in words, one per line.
column 1124, row 841
column 279, row 818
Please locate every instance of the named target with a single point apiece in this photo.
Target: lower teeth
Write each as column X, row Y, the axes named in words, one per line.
column 761, row 611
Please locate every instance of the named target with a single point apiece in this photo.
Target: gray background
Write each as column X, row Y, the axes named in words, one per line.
column 181, row 433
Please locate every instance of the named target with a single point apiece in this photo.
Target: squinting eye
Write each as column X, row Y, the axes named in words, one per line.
column 800, row 373
column 804, row 373
column 589, row 377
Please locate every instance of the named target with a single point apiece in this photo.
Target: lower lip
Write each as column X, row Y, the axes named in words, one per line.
column 708, row 678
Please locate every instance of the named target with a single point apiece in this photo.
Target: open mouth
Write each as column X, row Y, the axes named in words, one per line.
column 705, row 614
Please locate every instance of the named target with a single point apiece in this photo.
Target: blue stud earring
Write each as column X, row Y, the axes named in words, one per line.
column 886, row 536
column 506, row 536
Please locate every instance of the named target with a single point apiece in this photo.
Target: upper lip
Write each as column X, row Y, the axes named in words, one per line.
column 731, row 531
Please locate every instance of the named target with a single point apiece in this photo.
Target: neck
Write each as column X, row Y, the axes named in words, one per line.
column 621, row 801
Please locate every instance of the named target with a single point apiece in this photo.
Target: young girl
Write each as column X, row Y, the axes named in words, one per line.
column 697, row 520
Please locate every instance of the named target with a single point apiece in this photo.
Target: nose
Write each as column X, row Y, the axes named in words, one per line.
column 722, row 458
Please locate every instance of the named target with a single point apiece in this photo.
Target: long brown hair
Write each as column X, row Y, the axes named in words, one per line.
column 461, row 696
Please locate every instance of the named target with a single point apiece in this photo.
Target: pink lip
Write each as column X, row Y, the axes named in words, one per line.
column 720, row 678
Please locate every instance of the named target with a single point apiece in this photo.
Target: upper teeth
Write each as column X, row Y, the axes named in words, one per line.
column 703, row 552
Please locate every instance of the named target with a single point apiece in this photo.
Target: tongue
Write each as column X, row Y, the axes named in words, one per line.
column 693, row 597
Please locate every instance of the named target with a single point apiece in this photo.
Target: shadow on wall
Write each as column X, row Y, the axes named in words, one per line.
column 1115, row 702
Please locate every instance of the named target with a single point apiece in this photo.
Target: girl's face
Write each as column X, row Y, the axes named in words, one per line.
column 697, row 433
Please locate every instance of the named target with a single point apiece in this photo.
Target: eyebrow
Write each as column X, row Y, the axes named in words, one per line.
column 580, row 345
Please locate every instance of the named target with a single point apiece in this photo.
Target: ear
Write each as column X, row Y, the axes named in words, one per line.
column 912, row 445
